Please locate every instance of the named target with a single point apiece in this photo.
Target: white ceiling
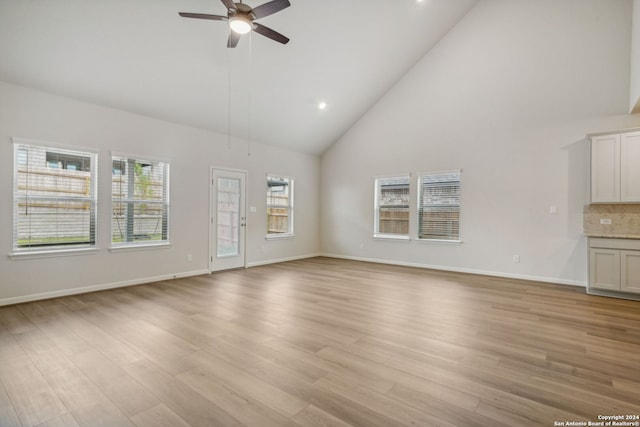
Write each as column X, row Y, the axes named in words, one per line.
column 140, row 56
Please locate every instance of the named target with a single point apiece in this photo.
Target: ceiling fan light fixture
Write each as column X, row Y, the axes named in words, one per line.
column 240, row 24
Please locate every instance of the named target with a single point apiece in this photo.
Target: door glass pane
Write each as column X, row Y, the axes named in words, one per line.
column 228, row 217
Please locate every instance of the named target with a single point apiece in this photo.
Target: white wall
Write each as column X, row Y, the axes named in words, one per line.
column 36, row 115
column 507, row 96
column 634, row 90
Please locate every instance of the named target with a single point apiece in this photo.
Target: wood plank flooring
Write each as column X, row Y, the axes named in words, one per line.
column 321, row 342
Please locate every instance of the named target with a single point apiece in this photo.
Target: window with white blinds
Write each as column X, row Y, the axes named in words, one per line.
column 140, row 202
column 54, row 197
column 392, row 206
column 279, row 206
column 439, row 206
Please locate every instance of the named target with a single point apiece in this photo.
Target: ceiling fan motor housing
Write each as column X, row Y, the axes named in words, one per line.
column 243, row 17
column 242, row 9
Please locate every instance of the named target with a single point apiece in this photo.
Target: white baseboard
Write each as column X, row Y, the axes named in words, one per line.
column 622, row 295
column 113, row 285
column 553, row 280
column 101, row 287
column 276, row 261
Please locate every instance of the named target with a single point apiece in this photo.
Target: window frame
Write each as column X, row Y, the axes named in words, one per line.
column 291, row 183
column 376, row 206
column 55, row 248
column 165, row 202
column 419, row 204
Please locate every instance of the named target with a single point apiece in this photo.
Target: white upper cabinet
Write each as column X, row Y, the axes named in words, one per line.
column 615, row 171
column 605, row 168
column 630, row 167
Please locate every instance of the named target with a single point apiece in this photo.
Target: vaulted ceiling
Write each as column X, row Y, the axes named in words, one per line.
column 140, row 56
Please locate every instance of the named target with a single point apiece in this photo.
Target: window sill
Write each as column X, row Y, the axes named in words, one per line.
column 391, row 237
column 439, row 241
column 279, row 236
column 53, row 253
column 139, row 247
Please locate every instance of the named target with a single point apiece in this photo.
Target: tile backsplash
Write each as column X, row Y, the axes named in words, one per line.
column 612, row 220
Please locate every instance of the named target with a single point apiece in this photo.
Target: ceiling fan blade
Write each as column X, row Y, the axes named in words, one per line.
column 270, row 8
column 268, row 32
column 229, row 4
column 203, row 16
column 233, row 39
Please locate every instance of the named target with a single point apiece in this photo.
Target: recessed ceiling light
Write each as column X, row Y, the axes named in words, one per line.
column 322, row 105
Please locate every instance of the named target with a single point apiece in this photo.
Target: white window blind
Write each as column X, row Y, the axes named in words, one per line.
column 140, row 202
column 54, row 198
column 279, row 206
column 439, row 206
column 392, row 206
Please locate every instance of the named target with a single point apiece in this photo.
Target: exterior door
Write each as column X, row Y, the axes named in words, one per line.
column 228, row 219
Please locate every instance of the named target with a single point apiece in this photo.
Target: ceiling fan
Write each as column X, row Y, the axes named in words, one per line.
column 242, row 18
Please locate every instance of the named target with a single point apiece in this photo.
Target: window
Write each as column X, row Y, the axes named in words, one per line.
column 439, row 206
column 58, row 160
column 279, row 206
column 140, row 202
column 54, row 197
column 392, row 207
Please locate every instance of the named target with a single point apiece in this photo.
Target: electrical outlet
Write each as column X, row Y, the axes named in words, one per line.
column 605, row 221
column 189, row 258
column 516, row 259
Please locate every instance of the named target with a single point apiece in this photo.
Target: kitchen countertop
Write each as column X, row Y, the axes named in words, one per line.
column 613, row 236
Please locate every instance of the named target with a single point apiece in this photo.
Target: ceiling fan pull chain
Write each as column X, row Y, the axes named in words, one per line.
column 250, row 95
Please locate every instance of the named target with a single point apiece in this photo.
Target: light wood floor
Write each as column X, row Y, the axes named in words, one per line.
column 321, row 342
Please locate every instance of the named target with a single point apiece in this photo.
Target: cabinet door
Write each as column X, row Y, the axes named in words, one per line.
column 630, row 271
column 630, row 167
column 605, row 168
column 604, row 269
